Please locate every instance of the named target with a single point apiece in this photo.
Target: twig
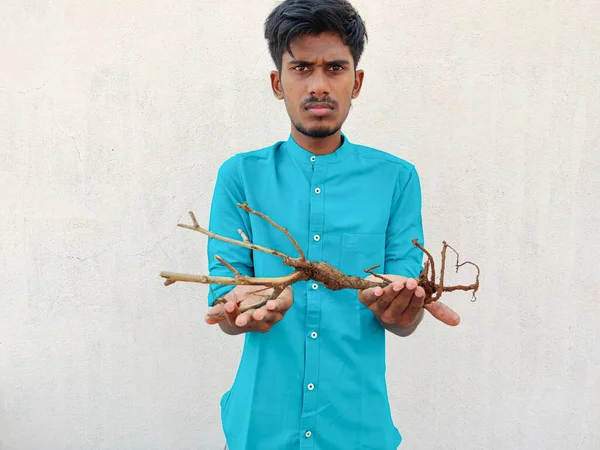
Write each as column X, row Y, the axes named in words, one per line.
column 249, row 210
column 319, row 271
column 229, row 266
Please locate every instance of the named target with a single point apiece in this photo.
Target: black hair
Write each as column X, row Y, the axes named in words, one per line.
column 294, row 18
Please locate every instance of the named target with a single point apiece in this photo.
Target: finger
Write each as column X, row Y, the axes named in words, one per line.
column 443, row 313
column 262, row 326
column 231, row 312
column 416, row 305
column 391, row 294
column 215, row 314
column 244, row 319
column 401, row 302
column 265, row 315
column 283, row 302
column 277, row 306
column 417, row 301
column 370, row 295
column 275, row 309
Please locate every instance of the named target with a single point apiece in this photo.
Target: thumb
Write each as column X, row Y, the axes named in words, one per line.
column 443, row 313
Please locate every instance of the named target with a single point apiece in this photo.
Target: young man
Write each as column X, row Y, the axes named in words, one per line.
column 313, row 372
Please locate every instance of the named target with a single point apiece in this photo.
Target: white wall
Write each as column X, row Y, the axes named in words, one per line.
column 115, row 118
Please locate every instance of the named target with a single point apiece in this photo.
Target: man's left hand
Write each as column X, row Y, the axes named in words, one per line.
column 402, row 301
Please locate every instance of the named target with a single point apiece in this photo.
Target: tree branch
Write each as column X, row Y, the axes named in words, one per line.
column 319, row 271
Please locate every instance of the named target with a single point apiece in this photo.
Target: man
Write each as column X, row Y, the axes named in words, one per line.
column 312, row 374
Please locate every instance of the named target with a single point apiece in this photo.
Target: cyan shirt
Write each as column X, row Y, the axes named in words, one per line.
column 317, row 379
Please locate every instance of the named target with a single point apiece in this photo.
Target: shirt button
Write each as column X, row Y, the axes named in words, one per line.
column 311, row 387
column 313, row 335
column 308, row 434
column 317, row 238
column 315, row 286
column 317, row 191
column 313, row 158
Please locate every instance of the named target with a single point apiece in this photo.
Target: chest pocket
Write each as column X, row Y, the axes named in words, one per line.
column 362, row 251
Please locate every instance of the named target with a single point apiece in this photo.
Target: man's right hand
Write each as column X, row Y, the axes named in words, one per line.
column 261, row 319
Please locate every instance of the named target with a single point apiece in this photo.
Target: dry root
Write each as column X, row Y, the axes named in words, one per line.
column 321, row 272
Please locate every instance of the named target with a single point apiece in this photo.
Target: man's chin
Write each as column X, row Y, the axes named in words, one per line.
column 317, row 132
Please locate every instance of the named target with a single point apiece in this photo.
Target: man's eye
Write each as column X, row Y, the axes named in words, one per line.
column 299, row 68
column 336, row 68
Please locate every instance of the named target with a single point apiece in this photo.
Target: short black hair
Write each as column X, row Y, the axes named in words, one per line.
column 294, row 18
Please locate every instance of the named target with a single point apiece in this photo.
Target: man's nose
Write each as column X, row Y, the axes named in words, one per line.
column 319, row 83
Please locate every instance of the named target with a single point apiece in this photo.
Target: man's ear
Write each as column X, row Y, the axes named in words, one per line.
column 276, row 85
column 359, row 76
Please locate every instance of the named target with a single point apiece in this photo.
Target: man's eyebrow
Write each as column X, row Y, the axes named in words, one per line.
column 337, row 62
column 300, row 62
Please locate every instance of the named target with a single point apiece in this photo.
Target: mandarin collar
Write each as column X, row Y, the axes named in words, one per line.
column 303, row 155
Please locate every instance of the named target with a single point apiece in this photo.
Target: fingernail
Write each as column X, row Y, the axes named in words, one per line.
column 396, row 287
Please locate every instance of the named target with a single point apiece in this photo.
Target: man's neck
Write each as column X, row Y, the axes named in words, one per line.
column 318, row 146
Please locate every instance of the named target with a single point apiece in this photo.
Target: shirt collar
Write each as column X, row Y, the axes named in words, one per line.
column 303, row 155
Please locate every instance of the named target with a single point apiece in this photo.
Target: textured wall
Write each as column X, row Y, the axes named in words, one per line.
column 115, row 118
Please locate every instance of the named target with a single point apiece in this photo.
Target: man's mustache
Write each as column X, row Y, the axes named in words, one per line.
column 312, row 102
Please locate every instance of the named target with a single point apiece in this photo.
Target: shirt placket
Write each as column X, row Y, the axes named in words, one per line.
column 313, row 313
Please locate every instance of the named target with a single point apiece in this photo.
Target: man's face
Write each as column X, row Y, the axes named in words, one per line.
column 317, row 84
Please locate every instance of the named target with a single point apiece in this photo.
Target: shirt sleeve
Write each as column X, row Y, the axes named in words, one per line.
column 226, row 218
column 405, row 224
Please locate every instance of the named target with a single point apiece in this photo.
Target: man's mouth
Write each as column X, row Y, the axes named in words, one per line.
column 319, row 109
